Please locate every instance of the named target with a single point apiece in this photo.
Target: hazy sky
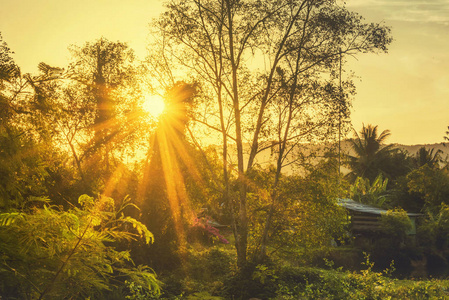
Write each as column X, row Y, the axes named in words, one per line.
column 406, row 90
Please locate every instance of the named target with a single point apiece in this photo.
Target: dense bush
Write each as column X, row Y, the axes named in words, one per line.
column 435, row 228
column 203, row 270
column 395, row 223
column 313, row 283
column 51, row 253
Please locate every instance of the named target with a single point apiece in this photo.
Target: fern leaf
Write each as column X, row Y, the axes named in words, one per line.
column 141, row 229
column 7, row 219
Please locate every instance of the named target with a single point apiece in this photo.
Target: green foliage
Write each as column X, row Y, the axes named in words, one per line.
column 220, row 262
column 431, row 184
column 263, row 274
column 395, row 223
column 53, row 253
column 374, row 194
column 7, row 219
column 429, row 289
column 23, row 170
column 312, row 283
column 401, row 196
column 204, row 272
column 8, row 68
column 139, row 292
column 435, row 228
column 306, row 217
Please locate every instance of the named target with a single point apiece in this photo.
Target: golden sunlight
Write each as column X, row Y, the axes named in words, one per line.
column 154, row 105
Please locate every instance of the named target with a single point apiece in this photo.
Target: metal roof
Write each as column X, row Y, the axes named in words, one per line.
column 365, row 208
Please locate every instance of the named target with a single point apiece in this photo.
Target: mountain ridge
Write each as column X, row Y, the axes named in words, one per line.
column 412, row 149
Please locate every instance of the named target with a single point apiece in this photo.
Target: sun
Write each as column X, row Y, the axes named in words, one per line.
column 154, row 105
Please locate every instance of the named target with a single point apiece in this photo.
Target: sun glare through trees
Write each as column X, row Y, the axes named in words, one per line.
column 92, row 162
column 154, row 105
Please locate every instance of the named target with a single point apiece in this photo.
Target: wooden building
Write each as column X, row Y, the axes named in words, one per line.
column 365, row 219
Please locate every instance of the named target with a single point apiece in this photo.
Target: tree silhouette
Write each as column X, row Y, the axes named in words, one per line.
column 370, row 153
column 427, row 156
column 8, row 69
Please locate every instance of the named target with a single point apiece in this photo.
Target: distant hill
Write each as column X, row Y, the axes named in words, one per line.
column 267, row 157
column 412, row 149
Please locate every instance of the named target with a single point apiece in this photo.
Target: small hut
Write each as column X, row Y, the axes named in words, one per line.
column 365, row 219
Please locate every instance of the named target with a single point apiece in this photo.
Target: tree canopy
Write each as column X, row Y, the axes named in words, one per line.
column 370, row 152
column 268, row 76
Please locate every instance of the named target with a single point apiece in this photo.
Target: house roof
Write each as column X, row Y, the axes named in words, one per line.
column 365, row 208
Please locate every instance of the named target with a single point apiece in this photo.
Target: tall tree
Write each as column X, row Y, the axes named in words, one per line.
column 91, row 109
column 298, row 43
column 23, row 171
column 104, row 69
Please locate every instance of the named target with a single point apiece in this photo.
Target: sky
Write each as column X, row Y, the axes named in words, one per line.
column 405, row 91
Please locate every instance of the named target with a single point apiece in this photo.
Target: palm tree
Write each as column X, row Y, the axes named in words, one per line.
column 427, row 156
column 369, row 152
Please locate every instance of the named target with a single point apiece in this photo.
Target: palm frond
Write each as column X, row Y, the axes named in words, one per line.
column 7, row 219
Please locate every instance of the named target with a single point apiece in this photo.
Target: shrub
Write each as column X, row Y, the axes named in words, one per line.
column 435, row 228
column 314, row 283
column 203, row 272
column 52, row 253
column 396, row 222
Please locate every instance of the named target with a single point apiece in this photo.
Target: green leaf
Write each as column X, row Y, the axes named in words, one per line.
column 141, row 229
column 86, row 201
column 6, row 219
